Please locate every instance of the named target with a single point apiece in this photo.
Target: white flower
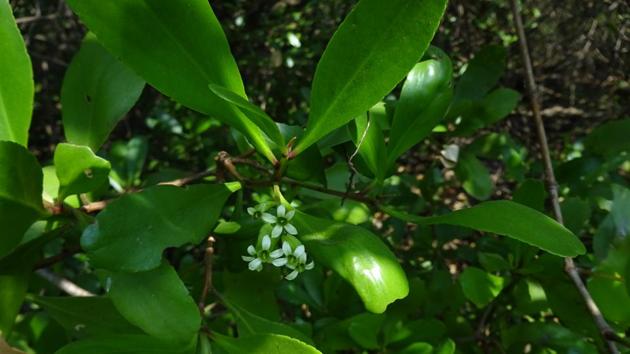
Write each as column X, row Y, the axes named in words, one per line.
column 280, row 221
column 257, row 257
column 294, row 260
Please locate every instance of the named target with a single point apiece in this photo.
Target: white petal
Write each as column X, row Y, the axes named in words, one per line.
column 266, row 243
column 255, row 264
column 309, row 266
column 277, row 231
column 302, row 258
column 290, row 229
column 286, row 248
column 299, row 251
column 276, row 253
column 281, row 211
column 268, row 218
column 290, row 215
column 279, row 262
column 247, row 259
column 292, row 275
column 251, row 250
column 251, row 211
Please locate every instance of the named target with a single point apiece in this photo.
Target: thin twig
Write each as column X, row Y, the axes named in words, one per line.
column 353, row 170
column 63, row 284
column 207, row 280
column 606, row 331
column 47, row 262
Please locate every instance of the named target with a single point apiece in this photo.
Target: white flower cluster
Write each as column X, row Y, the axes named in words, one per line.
column 291, row 255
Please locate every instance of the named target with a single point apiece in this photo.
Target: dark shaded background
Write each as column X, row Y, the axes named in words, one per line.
column 579, row 48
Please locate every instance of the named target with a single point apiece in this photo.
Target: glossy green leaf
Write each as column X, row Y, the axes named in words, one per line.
column 128, row 158
column 479, row 286
column 373, row 49
column 177, row 47
column 309, row 165
column 474, row 176
column 158, row 302
column 86, row 316
column 125, row 344
column 358, row 256
column 131, row 233
column 364, row 329
column 20, row 194
column 368, row 138
column 448, row 347
column 97, row 92
column 424, row 100
column 79, row 170
column 262, row 344
column 508, row 219
column 239, row 286
column 610, row 138
column 576, row 213
column 252, row 324
column 16, row 85
column 253, row 112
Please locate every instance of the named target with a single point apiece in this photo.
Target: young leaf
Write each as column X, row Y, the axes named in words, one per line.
column 97, row 92
column 16, row 85
column 125, row 344
column 262, row 344
column 373, row 49
column 158, row 302
column 79, row 170
column 424, row 100
column 131, row 233
column 479, row 286
column 508, row 219
column 358, row 256
column 87, row 316
column 20, row 194
column 176, row 46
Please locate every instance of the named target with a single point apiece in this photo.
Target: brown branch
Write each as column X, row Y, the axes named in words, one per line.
column 607, row 333
column 207, row 280
column 47, row 262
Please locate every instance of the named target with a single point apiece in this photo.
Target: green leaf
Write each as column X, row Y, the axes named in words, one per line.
column 20, row 194
column 239, row 286
column 474, row 176
column 251, row 324
column 128, row 159
column 364, row 329
column 497, row 105
column 131, row 233
column 262, row 344
column 448, row 347
column 508, row 219
column 610, row 138
column 620, row 209
column 417, row 348
column 481, row 75
column 373, row 49
column 531, row 193
column 576, row 213
column 14, row 286
column 158, row 302
column 607, row 286
column 177, row 47
column 479, row 286
column 309, row 165
column 86, row 316
column 97, row 92
column 424, row 100
column 358, row 256
column 253, row 112
column 368, row 137
column 79, row 170
column 125, row 344
column 16, row 85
